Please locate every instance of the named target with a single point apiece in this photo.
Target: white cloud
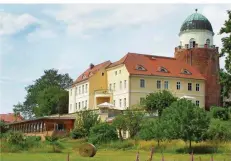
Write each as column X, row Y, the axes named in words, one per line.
column 40, row 34
column 12, row 23
column 82, row 18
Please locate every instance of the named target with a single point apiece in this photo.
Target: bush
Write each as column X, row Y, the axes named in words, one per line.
column 77, row 133
column 54, row 142
column 121, row 145
column 220, row 113
column 103, row 133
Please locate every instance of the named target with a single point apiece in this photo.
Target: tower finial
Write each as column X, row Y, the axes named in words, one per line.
column 196, row 9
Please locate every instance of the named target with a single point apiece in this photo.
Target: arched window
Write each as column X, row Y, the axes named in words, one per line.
column 192, row 43
column 208, row 42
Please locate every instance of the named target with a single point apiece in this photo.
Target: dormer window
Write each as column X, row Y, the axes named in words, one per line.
column 185, row 71
column 140, row 67
column 84, row 76
column 162, row 69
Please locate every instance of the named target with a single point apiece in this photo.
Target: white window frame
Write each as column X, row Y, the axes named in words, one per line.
column 141, row 83
column 197, row 87
column 165, row 84
column 190, row 86
column 158, row 84
column 178, row 85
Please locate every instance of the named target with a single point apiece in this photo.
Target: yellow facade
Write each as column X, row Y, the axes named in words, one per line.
column 97, row 84
column 151, row 86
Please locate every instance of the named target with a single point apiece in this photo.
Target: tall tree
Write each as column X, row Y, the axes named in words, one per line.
column 225, row 75
column 158, row 101
column 121, row 124
column 46, row 96
column 184, row 120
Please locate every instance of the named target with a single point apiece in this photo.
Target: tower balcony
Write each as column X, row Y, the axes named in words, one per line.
column 205, row 46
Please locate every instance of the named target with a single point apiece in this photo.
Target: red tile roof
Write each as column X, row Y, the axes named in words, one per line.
column 152, row 63
column 91, row 71
column 10, row 118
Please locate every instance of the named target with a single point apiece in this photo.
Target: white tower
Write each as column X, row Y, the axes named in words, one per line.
column 196, row 31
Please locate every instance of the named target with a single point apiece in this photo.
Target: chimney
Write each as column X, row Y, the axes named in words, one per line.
column 91, row 66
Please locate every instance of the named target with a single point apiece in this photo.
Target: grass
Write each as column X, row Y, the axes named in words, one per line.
column 118, row 151
column 108, row 155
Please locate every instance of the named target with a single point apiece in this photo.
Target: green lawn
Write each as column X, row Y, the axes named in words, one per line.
column 107, row 156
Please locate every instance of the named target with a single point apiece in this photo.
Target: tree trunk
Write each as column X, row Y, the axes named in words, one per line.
column 120, row 135
column 158, row 142
column 190, row 145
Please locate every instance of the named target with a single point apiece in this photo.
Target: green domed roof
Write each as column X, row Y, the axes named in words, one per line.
column 196, row 21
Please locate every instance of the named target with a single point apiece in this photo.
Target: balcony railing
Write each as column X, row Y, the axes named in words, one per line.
column 187, row 46
column 103, row 91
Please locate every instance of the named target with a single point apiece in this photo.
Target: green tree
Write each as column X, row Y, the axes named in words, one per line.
column 158, row 101
column 49, row 82
column 225, row 75
column 219, row 131
column 52, row 100
column 184, row 120
column 54, row 142
column 102, row 133
column 121, row 124
column 152, row 129
column 133, row 120
column 3, row 127
column 219, row 113
column 85, row 120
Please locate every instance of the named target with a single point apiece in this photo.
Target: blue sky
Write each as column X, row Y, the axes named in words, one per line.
column 70, row 37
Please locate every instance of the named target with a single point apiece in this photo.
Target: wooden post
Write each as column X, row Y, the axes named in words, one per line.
column 68, row 156
column 138, row 156
column 152, row 152
column 192, row 159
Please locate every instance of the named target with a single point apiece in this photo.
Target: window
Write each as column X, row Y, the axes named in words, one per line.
column 76, row 106
column 82, row 89
column 158, row 84
column 189, row 86
column 120, row 71
column 79, row 105
column 76, row 91
column 197, row 87
column 125, row 84
column 208, row 42
column 178, row 85
column 120, row 84
column 125, row 102
column 115, row 72
column 165, row 84
column 86, row 88
column 114, row 102
column 102, row 73
column 185, row 71
column 114, row 86
column 124, row 133
column 70, row 107
column 140, row 67
column 79, row 90
column 110, row 87
column 142, row 100
column 162, row 69
column 82, row 104
column 192, row 43
column 142, row 83
column 86, row 103
column 180, row 43
column 120, row 102
column 71, row 92
column 197, row 103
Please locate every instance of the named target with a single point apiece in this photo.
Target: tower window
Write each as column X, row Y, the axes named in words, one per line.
column 192, row 43
column 208, row 42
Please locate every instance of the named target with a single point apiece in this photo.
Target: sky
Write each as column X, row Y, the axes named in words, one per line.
column 69, row 37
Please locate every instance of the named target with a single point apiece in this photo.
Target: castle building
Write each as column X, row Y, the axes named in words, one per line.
column 192, row 73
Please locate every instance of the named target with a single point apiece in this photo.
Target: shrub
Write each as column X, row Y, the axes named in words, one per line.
column 220, row 113
column 77, row 133
column 121, row 145
column 103, row 133
column 54, row 142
